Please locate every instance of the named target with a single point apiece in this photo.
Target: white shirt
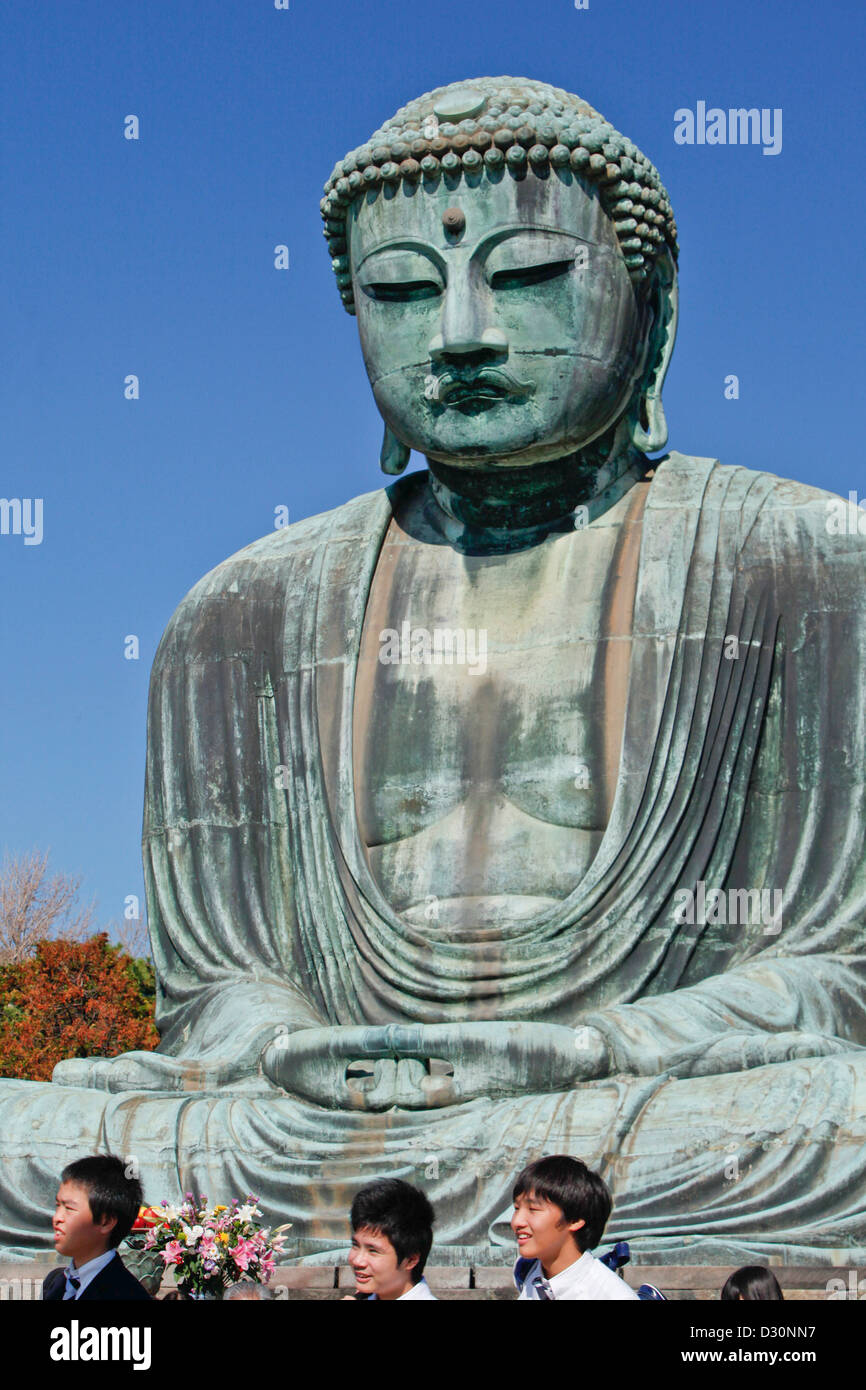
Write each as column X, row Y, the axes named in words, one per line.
column 420, row 1291
column 86, row 1274
column 586, row 1278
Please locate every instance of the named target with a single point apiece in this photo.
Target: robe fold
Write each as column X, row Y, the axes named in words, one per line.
column 733, row 1125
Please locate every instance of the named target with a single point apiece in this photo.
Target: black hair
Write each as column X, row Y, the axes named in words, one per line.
column 399, row 1211
column 110, row 1192
column 751, row 1282
column 580, row 1194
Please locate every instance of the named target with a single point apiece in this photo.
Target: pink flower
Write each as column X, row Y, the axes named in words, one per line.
column 173, row 1253
column 242, row 1253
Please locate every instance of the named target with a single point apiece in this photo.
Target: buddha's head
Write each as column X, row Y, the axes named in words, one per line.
column 511, row 260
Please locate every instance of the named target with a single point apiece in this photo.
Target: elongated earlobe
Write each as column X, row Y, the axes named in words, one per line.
column 647, row 425
column 648, row 428
column 394, row 455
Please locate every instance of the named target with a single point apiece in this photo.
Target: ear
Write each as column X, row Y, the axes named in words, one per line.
column 647, row 424
column 394, row 455
column 411, row 1261
column 575, row 1226
column 107, row 1224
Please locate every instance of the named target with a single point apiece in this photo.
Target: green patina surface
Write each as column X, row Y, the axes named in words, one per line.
column 453, row 792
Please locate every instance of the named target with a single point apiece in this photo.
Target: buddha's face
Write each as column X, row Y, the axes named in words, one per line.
column 507, row 333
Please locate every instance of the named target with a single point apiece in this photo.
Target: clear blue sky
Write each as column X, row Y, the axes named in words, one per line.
column 156, row 257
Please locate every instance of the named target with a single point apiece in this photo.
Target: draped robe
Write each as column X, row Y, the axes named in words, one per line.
column 742, row 766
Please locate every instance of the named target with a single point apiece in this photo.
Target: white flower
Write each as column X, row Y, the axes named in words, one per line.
column 192, row 1233
column 246, row 1213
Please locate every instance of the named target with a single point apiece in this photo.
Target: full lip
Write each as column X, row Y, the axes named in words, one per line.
column 487, row 384
column 470, row 391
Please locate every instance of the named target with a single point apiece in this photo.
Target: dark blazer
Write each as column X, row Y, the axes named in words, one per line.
column 114, row 1282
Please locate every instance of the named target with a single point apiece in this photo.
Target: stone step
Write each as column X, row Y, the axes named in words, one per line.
column 23, row 1281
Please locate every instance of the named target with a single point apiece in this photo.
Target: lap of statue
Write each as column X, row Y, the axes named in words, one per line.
column 742, row 1179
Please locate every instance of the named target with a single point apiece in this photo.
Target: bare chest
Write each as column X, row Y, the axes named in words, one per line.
column 494, row 680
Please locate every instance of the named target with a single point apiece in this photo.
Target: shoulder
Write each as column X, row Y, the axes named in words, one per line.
column 421, row 1293
column 797, row 533
column 757, row 496
column 224, row 606
column 603, row 1283
column 134, row 1288
column 116, row 1282
column 52, row 1281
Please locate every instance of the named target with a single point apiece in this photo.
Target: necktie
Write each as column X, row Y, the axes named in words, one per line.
column 72, row 1287
column 543, row 1289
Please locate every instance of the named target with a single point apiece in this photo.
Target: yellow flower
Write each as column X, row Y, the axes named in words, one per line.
column 219, row 1209
column 223, row 1237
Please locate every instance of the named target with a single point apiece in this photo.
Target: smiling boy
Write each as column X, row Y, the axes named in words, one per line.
column 96, row 1206
column 392, row 1232
column 561, row 1208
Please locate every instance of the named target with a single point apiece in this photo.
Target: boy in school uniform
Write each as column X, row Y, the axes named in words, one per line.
column 561, row 1208
column 97, row 1205
column 392, row 1232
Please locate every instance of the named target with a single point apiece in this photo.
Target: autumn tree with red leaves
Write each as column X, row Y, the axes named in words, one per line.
column 73, row 999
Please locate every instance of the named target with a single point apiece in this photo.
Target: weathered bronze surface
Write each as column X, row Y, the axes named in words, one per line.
column 519, row 807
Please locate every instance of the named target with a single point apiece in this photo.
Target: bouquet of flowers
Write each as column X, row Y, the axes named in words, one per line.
column 212, row 1247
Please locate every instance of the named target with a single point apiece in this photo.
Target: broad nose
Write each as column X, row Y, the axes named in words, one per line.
column 466, row 328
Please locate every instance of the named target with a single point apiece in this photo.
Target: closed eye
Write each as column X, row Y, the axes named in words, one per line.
column 528, row 275
column 402, row 292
